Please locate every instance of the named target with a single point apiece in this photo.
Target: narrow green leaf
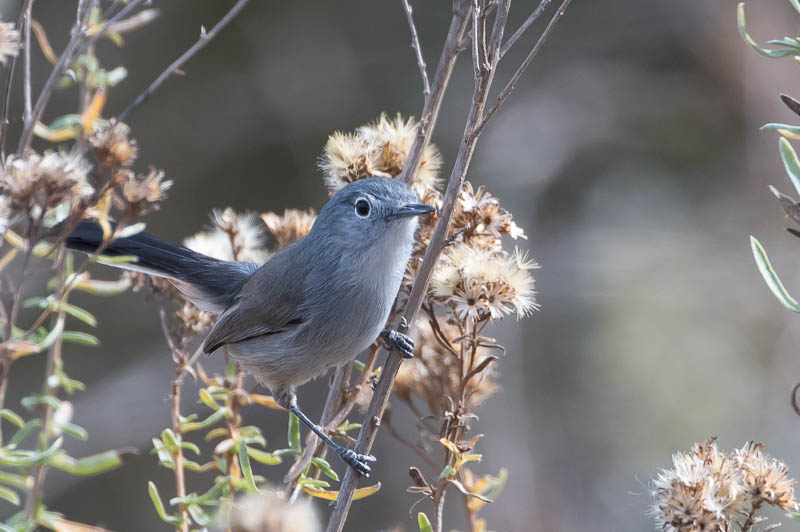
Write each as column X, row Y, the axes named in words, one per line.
column 294, row 433
column 22, row 433
column 76, row 431
column 9, row 495
column 89, row 465
column 741, row 24
column 210, row 420
column 199, row 515
column 18, row 481
column 448, row 471
column 774, row 126
column 11, row 417
column 325, row 467
column 795, row 5
column 263, row 457
column 247, row 471
column 208, row 400
column 78, row 313
column 359, row 366
column 80, row 338
column 190, row 447
column 790, row 162
column 171, row 441
column 771, row 278
column 160, row 510
column 424, row 523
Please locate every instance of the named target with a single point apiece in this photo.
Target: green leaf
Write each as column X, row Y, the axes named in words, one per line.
column 208, row 400
column 424, row 523
column 448, row 471
column 78, row 313
column 76, row 431
column 162, row 513
column 18, row 481
column 80, row 338
column 22, row 433
column 91, row 465
column 359, row 366
column 263, row 457
column 11, row 417
column 795, row 5
column 740, row 22
column 200, row 517
column 294, row 433
column 247, row 471
column 190, row 447
column 9, row 495
column 774, row 126
column 325, row 467
column 771, row 278
column 171, row 441
column 210, row 420
column 313, row 483
column 790, row 162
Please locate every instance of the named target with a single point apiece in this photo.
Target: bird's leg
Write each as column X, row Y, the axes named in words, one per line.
column 394, row 339
column 288, row 400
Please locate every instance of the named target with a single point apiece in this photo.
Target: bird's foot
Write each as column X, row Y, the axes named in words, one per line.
column 403, row 343
column 357, row 461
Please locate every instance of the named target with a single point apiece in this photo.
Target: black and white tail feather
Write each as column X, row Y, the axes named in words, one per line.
column 211, row 284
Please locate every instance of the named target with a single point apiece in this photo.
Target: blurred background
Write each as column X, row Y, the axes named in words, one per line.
column 629, row 152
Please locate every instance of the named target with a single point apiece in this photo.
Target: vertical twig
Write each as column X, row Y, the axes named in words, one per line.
column 205, row 38
column 441, row 79
column 426, row 87
column 4, row 123
column 27, row 87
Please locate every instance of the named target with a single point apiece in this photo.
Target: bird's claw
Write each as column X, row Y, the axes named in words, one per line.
column 400, row 341
column 357, row 461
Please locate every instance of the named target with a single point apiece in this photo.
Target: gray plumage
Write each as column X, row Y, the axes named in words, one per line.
column 315, row 304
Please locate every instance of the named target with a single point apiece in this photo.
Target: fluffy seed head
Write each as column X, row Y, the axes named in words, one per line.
column 34, row 183
column 113, row 147
column 293, row 225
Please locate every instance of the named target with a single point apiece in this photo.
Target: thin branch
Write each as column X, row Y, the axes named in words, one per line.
column 525, row 25
column 205, row 38
column 426, row 90
column 518, row 74
column 7, row 95
column 67, row 57
column 27, row 87
column 441, row 78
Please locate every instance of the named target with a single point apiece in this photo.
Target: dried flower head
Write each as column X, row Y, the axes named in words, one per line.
column 478, row 282
column 708, row 489
column 293, row 225
column 232, row 237
column 269, row 511
column 35, row 183
column 141, row 193
column 9, row 41
column 478, row 215
column 112, row 146
column 377, row 149
column 764, row 477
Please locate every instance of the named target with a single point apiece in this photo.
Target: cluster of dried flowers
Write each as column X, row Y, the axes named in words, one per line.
column 475, row 282
column 708, row 489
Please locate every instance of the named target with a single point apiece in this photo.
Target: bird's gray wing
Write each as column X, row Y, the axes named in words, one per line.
column 268, row 303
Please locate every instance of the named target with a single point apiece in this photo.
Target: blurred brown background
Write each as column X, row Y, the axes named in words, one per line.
column 630, row 153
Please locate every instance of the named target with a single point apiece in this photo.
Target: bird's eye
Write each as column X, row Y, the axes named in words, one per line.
column 362, row 208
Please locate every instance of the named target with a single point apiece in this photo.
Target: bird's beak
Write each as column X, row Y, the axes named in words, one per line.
column 413, row 209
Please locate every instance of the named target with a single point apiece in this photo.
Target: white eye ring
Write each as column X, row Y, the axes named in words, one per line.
column 363, row 207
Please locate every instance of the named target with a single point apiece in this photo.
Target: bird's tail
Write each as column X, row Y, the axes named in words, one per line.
column 209, row 283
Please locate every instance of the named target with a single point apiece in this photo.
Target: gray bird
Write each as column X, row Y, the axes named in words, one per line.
column 315, row 304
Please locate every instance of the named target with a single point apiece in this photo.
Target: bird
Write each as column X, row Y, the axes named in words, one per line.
column 315, row 304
